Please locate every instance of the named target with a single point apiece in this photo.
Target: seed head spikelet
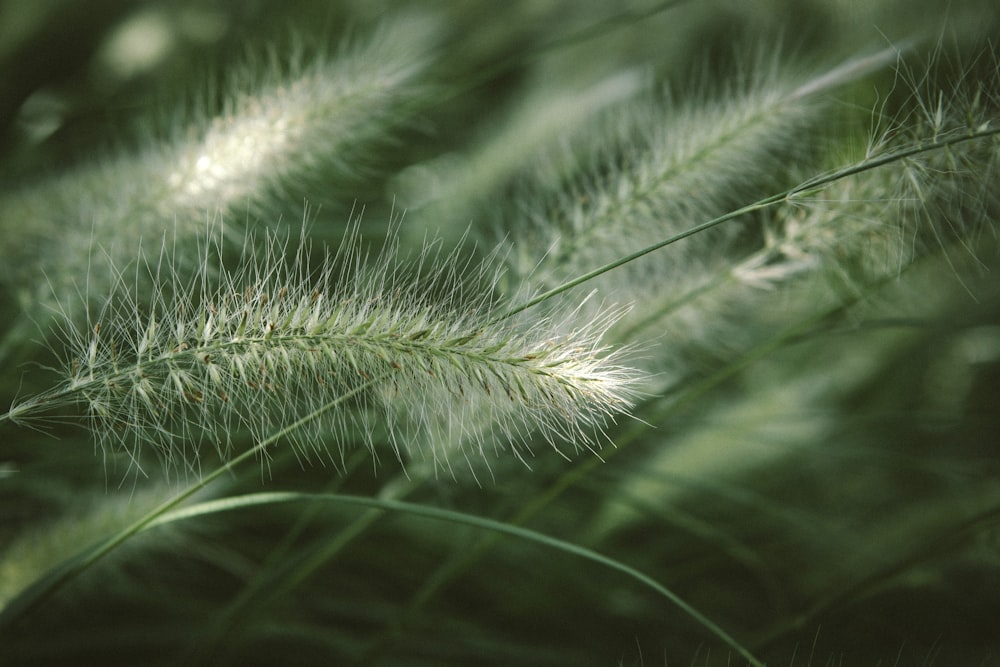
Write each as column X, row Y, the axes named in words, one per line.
column 254, row 348
column 924, row 185
column 308, row 118
column 670, row 162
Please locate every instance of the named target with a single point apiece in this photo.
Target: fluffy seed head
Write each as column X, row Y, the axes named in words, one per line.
column 256, row 348
column 310, row 119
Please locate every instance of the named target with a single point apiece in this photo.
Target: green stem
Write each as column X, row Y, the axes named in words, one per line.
column 223, row 634
column 42, row 590
column 483, row 523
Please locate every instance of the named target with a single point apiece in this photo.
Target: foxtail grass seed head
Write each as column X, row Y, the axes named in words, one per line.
column 275, row 340
column 666, row 163
column 308, row 118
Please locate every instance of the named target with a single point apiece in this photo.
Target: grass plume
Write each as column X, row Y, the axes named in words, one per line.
column 220, row 353
column 308, row 116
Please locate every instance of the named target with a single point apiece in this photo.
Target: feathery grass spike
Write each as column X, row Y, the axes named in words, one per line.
column 250, row 350
column 311, row 117
column 666, row 165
